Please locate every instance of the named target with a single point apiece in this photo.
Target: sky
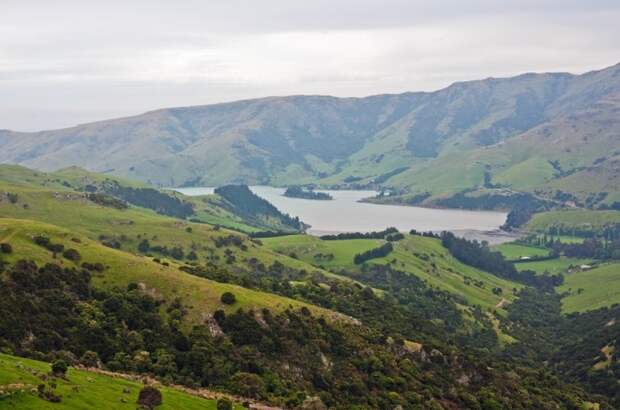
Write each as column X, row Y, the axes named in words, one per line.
column 64, row 62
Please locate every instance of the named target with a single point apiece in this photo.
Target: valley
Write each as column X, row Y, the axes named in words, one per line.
column 250, row 293
column 451, row 249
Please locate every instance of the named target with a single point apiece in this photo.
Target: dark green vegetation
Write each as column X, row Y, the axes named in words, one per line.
column 296, row 191
column 253, row 208
column 361, row 235
column 553, row 136
column 286, row 320
column 380, row 252
column 581, row 347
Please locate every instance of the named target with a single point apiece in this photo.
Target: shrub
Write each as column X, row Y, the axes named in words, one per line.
column 97, row 267
column 248, row 385
column 144, row 246
column 149, row 397
column 72, row 255
column 90, row 359
column 6, row 248
column 59, row 367
column 228, row 298
column 224, row 404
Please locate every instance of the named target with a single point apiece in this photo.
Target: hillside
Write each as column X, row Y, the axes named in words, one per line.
column 291, row 320
column 531, row 132
column 164, row 281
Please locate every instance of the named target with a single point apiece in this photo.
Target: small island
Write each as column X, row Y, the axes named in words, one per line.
column 296, row 191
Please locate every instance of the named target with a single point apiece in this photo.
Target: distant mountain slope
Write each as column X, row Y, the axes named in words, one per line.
column 521, row 132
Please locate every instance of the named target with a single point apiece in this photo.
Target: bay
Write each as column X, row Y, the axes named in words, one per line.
column 346, row 214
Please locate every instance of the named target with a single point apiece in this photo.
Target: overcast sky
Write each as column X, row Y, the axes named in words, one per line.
column 69, row 62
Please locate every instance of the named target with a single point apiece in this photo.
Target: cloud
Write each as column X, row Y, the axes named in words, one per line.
column 72, row 61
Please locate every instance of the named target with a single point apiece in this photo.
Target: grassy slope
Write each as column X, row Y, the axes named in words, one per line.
column 79, row 177
column 525, row 175
column 448, row 273
column 578, row 218
column 601, row 287
column 202, row 296
column 84, row 390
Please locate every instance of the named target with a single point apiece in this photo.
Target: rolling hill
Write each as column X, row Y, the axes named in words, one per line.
column 85, row 274
column 533, row 132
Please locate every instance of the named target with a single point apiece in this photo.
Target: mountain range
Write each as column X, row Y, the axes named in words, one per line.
column 539, row 133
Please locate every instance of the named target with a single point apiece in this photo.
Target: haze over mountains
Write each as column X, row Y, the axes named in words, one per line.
column 533, row 132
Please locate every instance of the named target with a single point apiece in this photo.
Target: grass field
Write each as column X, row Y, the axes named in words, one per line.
column 82, row 390
column 514, row 251
column 600, row 287
column 574, row 218
column 423, row 257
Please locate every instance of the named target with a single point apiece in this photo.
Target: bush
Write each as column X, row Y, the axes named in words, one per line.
column 90, row 359
column 144, row 246
column 248, row 385
column 228, row 298
column 59, row 367
column 149, row 397
column 72, row 255
column 224, row 404
column 6, row 248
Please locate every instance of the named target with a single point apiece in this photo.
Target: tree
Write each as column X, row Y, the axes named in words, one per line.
column 224, row 404
column 59, row 368
column 177, row 253
column 90, row 359
column 149, row 397
column 248, row 385
column 228, row 298
column 6, row 248
column 144, row 246
column 72, row 255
